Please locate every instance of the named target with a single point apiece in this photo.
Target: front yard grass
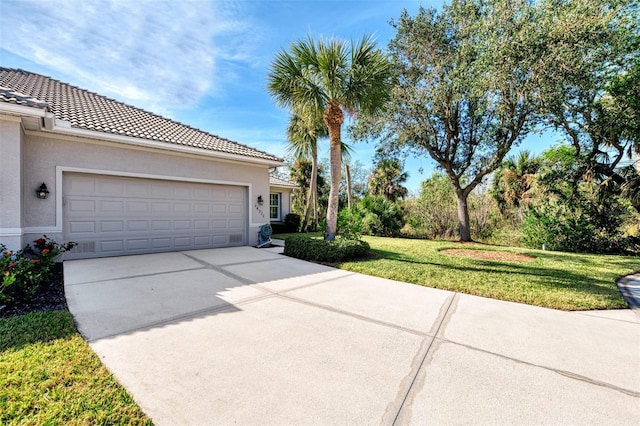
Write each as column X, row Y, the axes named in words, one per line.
column 566, row 281
column 557, row 280
column 50, row 375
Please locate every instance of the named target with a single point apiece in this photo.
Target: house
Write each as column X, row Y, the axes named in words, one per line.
column 118, row 180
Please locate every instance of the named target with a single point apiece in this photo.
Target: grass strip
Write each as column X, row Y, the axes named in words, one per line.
column 50, row 375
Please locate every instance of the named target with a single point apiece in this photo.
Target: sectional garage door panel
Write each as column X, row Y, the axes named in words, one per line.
column 113, row 216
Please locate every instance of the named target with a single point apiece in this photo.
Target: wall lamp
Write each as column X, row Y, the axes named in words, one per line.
column 260, row 200
column 42, row 192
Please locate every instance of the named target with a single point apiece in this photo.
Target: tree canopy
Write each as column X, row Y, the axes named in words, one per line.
column 465, row 87
column 591, row 92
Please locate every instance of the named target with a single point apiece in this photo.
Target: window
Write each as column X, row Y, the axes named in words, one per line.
column 274, row 206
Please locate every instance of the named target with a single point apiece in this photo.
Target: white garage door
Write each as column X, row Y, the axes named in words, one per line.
column 114, row 216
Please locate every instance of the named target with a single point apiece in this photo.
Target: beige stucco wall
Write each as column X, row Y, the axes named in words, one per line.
column 43, row 154
column 11, row 153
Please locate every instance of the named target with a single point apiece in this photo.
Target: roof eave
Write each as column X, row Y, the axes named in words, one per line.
column 129, row 140
column 283, row 187
column 23, row 110
column 51, row 125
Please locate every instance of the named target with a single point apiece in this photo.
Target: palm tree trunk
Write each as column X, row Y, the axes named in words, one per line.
column 333, row 118
column 316, row 214
column 347, row 173
column 313, row 188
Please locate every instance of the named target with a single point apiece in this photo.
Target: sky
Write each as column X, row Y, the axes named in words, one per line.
column 203, row 63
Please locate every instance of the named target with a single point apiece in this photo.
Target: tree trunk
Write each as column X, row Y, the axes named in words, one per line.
column 463, row 216
column 316, row 214
column 347, row 173
column 313, row 187
column 333, row 118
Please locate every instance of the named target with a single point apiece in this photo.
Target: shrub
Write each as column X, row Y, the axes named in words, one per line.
column 25, row 270
column 433, row 214
column 292, row 222
column 380, row 217
column 574, row 228
column 278, row 228
column 373, row 215
column 318, row 250
column 349, row 224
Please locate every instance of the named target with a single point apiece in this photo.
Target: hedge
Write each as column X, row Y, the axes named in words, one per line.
column 318, row 250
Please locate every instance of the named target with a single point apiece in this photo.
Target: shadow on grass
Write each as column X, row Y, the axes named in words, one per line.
column 38, row 327
column 543, row 276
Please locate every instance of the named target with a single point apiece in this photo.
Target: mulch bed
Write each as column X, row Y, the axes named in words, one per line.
column 49, row 297
column 500, row 256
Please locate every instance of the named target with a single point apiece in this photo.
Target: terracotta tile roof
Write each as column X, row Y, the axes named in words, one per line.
column 90, row 111
column 274, row 181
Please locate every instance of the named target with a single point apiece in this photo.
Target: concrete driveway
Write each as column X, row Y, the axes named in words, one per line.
column 249, row 336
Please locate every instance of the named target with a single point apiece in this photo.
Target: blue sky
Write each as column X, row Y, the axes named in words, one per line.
column 203, row 63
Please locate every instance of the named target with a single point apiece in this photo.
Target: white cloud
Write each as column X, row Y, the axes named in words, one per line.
column 157, row 54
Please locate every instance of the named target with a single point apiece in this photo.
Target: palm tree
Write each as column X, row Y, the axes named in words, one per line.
column 387, row 179
column 303, row 133
column 514, row 181
column 334, row 78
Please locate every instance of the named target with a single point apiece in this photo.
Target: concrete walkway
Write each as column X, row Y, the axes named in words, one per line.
column 248, row 336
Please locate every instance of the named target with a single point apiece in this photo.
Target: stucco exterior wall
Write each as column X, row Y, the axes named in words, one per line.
column 11, row 160
column 46, row 158
column 285, row 200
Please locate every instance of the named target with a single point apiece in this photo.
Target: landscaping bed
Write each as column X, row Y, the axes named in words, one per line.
column 48, row 297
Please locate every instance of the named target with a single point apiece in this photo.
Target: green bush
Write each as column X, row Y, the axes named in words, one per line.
column 24, row 271
column 292, row 222
column 318, row 250
column 380, row 217
column 350, row 224
column 578, row 227
column 373, row 215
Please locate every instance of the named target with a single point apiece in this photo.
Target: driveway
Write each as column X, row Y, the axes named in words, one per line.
column 249, row 336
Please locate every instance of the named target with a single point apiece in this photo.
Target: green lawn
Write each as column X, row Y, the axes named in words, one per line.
column 49, row 375
column 556, row 280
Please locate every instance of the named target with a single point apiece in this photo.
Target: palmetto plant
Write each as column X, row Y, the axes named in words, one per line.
column 387, row 179
column 331, row 78
column 514, row 181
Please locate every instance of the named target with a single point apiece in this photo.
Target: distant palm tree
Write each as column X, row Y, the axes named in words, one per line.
column 303, row 133
column 387, row 179
column 334, row 78
column 514, row 180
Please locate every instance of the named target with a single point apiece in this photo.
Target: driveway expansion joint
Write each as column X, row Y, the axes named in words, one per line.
column 351, row 314
column 151, row 274
column 564, row 373
column 253, row 262
column 590, row 314
column 395, row 408
column 323, row 281
column 220, row 269
column 187, row 316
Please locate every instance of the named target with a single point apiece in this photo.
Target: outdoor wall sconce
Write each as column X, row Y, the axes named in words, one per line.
column 42, row 192
column 260, row 200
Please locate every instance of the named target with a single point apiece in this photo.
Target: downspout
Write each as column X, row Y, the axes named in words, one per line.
column 48, row 121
